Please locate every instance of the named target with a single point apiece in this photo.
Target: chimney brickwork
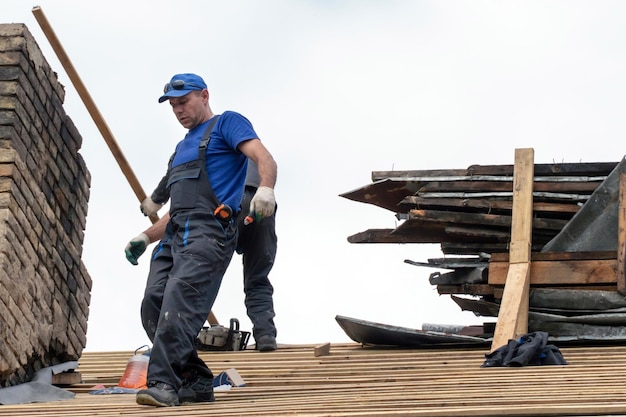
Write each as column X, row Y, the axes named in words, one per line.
column 44, row 190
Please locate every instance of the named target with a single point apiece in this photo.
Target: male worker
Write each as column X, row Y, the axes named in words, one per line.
column 257, row 241
column 206, row 181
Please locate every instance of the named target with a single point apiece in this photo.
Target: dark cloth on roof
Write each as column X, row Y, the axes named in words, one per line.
column 530, row 349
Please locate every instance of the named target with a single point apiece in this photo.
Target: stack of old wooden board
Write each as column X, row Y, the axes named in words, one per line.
column 356, row 381
column 468, row 211
column 575, row 264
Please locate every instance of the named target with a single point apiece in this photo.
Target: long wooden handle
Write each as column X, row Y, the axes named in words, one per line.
column 91, row 106
column 95, row 115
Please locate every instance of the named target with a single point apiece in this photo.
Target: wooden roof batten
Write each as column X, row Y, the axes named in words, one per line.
column 352, row 381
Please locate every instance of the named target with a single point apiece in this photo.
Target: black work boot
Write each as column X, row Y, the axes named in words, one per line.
column 266, row 343
column 198, row 390
column 158, row 394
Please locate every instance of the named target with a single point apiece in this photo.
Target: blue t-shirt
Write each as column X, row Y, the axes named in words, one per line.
column 226, row 165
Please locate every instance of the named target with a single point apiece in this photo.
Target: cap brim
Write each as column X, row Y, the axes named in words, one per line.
column 173, row 93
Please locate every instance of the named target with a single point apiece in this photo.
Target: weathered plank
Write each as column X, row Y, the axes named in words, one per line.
column 487, row 205
column 559, row 256
column 561, row 272
column 621, row 236
column 390, row 236
column 474, row 248
column 470, row 289
column 586, row 187
column 493, row 220
column 513, row 315
column 566, row 169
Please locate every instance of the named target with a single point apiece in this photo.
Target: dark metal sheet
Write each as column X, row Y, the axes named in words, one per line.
column 378, row 334
column 587, row 230
column 372, row 333
column 576, row 308
column 576, row 299
column 459, row 276
column 578, row 332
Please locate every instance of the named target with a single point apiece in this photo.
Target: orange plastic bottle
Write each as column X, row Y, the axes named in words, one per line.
column 136, row 372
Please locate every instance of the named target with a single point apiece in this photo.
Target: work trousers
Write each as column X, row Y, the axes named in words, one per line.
column 185, row 275
column 258, row 243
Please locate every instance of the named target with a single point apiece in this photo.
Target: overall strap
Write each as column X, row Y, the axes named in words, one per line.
column 204, row 142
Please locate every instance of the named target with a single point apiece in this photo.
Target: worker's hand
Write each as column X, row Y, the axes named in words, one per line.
column 149, row 207
column 136, row 247
column 263, row 202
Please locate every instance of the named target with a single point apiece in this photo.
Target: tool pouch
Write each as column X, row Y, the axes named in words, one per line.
column 222, row 338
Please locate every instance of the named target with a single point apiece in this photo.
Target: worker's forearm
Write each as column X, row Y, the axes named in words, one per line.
column 155, row 232
column 267, row 171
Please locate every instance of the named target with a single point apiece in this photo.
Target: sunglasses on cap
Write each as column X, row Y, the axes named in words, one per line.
column 179, row 85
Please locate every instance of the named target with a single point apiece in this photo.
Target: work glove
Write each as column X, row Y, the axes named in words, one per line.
column 263, row 202
column 149, row 207
column 136, row 247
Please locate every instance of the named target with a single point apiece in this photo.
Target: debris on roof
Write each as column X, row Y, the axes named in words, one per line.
column 574, row 294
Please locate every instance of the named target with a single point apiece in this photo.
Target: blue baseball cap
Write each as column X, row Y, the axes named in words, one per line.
column 182, row 84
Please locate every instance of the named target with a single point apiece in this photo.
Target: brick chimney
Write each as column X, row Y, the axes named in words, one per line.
column 44, row 191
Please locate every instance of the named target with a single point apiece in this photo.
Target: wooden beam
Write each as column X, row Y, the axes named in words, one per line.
column 561, row 272
column 584, row 168
column 481, row 219
column 429, row 235
column 487, row 205
column 477, row 185
column 621, row 236
column 559, row 256
column 470, row 289
column 67, row 378
column 321, row 350
column 513, row 315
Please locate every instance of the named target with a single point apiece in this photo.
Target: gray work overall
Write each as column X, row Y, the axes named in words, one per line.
column 186, row 271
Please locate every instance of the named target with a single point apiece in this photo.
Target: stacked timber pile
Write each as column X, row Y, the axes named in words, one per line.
column 469, row 213
column 44, row 190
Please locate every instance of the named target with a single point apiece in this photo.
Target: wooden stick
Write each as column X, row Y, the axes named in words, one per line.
column 513, row 314
column 621, row 236
column 212, row 319
column 96, row 116
column 91, row 106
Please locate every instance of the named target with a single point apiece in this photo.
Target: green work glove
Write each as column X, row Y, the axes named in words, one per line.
column 136, row 247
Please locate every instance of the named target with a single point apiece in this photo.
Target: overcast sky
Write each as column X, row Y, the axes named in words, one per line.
column 335, row 90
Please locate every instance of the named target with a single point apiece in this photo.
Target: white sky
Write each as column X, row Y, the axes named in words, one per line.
column 336, row 90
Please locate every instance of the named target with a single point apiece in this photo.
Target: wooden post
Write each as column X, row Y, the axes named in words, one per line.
column 513, row 315
column 621, row 236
